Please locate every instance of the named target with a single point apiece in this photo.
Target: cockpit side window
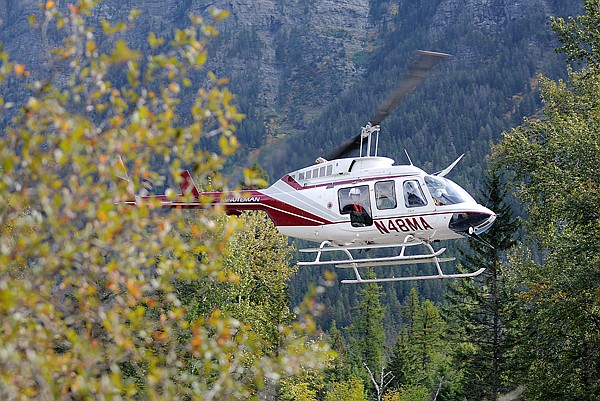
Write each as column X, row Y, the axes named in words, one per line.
column 385, row 195
column 413, row 194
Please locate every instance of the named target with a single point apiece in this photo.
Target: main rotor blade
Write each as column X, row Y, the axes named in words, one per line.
column 348, row 146
column 416, row 72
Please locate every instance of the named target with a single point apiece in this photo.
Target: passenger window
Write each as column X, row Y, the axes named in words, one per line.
column 385, row 195
column 355, row 202
column 413, row 195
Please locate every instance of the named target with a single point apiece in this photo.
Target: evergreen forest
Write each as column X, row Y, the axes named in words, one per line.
column 99, row 300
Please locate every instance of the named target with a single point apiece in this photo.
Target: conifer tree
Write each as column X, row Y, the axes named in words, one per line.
column 479, row 312
column 556, row 162
column 419, row 351
column 366, row 331
column 402, row 363
column 340, row 369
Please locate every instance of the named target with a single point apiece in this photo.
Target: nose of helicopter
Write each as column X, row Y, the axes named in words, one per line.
column 472, row 222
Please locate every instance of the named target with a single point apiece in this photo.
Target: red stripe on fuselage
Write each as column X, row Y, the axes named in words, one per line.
column 281, row 213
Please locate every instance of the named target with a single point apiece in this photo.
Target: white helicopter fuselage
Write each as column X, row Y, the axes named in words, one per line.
column 355, row 204
column 310, row 204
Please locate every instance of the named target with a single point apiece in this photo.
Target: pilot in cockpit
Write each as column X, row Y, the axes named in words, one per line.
column 438, row 197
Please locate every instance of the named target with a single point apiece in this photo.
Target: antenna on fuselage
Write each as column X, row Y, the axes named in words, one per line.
column 408, row 157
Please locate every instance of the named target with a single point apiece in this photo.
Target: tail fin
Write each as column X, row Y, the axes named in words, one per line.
column 187, row 184
column 122, row 174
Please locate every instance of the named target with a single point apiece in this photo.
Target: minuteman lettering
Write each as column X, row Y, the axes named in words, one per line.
column 253, row 199
column 405, row 225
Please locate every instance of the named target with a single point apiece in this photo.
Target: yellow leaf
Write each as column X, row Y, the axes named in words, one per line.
column 90, row 47
column 49, row 5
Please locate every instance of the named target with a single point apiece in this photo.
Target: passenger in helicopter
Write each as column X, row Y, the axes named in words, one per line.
column 413, row 196
column 360, row 215
column 385, row 202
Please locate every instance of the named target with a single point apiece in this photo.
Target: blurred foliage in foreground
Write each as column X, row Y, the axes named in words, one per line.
column 102, row 301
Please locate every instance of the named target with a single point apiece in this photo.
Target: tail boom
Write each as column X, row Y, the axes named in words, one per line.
column 233, row 202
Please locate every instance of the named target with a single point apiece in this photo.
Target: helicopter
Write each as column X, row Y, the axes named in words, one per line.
column 352, row 205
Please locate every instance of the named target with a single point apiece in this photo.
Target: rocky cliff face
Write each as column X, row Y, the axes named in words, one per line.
column 488, row 15
column 329, row 32
column 289, row 59
column 291, row 39
column 494, row 20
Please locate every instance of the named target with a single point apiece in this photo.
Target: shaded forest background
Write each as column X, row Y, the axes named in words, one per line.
column 489, row 85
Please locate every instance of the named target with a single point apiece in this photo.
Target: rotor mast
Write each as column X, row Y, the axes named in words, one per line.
column 367, row 132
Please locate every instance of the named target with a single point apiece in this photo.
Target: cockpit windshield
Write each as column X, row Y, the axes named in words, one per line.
column 446, row 192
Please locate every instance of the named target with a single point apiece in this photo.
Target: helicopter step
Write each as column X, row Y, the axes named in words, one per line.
column 401, row 259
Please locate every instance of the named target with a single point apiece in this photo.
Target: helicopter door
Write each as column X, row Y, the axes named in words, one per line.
column 356, row 202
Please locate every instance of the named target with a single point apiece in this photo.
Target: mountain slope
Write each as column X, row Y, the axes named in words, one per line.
column 308, row 74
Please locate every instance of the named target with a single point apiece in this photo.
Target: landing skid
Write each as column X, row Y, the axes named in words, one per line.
column 401, row 259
